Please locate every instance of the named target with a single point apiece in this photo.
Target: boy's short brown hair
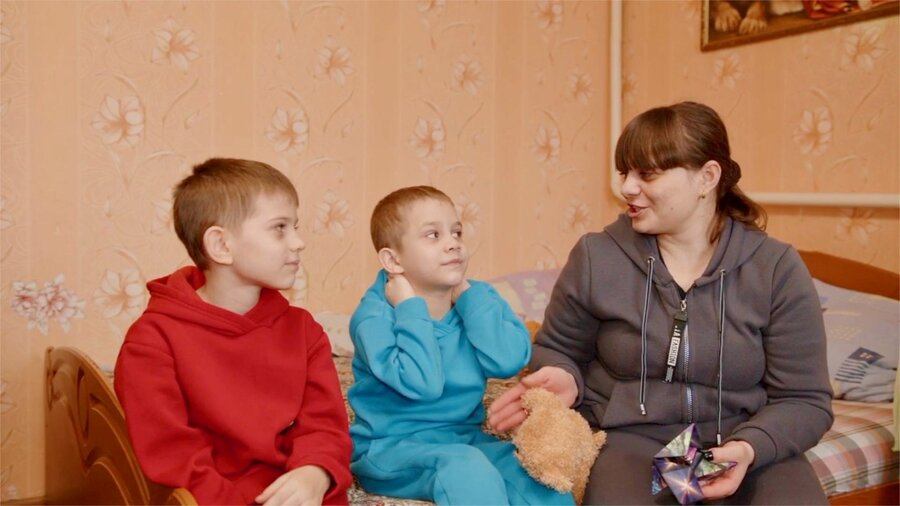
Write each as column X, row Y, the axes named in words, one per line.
column 222, row 191
column 388, row 221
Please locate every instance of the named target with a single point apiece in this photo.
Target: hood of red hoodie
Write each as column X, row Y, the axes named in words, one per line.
column 176, row 296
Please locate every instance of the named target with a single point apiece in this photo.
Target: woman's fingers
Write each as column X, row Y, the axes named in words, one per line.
column 506, row 411
column 508, row 417
column 557, row 380
column 510, row 422
column 739, row 452
column 535, row 379
column 512, row 395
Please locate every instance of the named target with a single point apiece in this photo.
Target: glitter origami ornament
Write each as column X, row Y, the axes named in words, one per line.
column 682, row 465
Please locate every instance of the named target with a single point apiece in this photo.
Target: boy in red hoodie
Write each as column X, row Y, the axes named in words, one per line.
column 228, row 391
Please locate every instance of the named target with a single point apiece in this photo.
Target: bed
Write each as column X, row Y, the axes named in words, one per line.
column 90, row 461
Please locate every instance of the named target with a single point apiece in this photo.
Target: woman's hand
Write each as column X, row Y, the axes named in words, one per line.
column 506, row 412
column 727, row 484
column 303, row 485
column 397, row 289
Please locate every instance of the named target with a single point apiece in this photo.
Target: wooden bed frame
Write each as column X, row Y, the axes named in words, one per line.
column 90, row 459
column 863, row 278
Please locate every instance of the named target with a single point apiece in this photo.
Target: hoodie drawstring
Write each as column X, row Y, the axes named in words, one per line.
column 649, row 285
column 721, row 335
column 721, row 355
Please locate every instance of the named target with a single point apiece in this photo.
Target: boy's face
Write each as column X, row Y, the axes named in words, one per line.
column 431, row 252
column 266, row 248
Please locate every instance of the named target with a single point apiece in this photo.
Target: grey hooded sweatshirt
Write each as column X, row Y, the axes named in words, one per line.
column 753, row 315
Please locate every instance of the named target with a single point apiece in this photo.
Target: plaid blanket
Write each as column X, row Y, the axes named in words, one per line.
column 856, row 452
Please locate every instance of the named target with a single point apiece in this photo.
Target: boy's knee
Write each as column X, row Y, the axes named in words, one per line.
column 468, row 463
column 464, row 475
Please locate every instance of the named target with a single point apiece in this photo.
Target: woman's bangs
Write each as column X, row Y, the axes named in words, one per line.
column 650, row 142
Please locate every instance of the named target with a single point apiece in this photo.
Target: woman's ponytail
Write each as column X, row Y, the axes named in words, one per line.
column 734, row 203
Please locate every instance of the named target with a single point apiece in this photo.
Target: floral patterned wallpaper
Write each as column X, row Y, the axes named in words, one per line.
column 815, row 112
column 106, row 104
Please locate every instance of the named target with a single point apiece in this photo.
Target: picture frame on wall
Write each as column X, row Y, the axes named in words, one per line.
column 728, row 23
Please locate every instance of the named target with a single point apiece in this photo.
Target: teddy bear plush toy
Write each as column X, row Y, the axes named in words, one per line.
column 555, row 444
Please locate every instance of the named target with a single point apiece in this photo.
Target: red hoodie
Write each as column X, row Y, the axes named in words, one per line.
column 221, row 403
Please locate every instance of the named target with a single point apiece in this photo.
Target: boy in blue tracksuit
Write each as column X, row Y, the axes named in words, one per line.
column 426, row 341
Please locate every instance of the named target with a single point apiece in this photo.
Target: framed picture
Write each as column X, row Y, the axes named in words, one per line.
column 728, row 23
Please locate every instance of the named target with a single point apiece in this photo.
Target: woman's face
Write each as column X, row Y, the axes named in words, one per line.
column 667, row 202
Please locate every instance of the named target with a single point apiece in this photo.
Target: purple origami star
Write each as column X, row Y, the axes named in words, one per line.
column 681, row 466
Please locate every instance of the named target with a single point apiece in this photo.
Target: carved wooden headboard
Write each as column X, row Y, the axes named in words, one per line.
column 89, row 459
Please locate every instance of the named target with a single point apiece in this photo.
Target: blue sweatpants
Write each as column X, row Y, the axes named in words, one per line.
column 451, row 466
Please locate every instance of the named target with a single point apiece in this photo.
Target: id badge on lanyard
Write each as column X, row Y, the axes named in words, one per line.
column 679, row 325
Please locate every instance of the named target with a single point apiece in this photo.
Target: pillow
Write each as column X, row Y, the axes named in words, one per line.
column 527, row 292
column 863, row 344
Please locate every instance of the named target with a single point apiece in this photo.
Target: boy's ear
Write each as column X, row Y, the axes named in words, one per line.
column 215, row 243
column 390, row 261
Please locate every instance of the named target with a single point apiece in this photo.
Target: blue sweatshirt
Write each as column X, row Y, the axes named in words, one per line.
column 413, row 373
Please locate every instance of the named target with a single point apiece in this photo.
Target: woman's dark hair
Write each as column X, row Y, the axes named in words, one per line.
column 688, row 135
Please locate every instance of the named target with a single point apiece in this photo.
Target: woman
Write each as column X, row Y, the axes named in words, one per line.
column 689, row 259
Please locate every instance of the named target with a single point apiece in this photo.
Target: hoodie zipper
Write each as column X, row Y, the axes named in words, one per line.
column 686, row 346
column 684, row 352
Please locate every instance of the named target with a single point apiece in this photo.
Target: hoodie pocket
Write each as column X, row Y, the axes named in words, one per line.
column 663, row 403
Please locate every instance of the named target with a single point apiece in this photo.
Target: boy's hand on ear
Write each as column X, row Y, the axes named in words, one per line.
column 304, row 485
column 397, row 289
column 459, row 289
